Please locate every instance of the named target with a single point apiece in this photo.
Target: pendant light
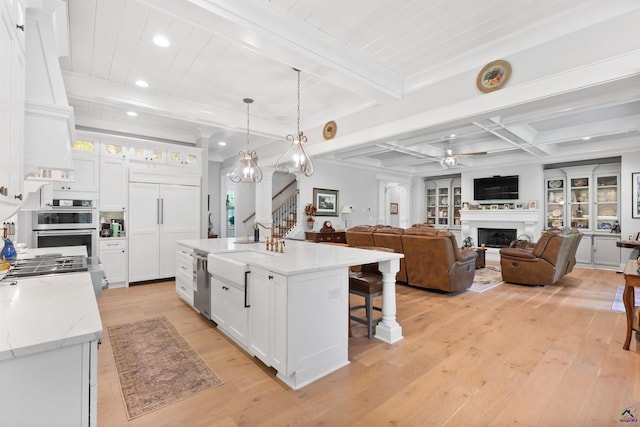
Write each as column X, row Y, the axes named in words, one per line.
column 247, row 169
column 295, row 159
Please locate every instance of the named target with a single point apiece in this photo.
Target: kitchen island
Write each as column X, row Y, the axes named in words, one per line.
column 292, row 310
column 49, row 330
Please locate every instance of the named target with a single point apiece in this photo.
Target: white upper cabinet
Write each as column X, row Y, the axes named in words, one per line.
column 12, row 92
column 144, row 154
column 86, row 169
column 183, row 157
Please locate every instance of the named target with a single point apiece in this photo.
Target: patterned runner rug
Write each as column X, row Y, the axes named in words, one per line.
column 156, row 365
column 486, row 278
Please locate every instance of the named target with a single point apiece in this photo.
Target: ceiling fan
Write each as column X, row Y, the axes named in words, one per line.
column 450, row 159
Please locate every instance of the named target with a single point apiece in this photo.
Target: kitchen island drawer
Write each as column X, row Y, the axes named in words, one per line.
column 184, row 287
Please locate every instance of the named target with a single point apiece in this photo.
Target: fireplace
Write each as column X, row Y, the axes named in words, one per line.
column 496, row 237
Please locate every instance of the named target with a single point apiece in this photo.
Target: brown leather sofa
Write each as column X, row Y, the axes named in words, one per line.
column 390, row 237
column 360, row 235
column 552, row 257
column 434, row 260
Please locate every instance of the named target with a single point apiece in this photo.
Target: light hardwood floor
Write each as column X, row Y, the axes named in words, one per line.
column 514, row 355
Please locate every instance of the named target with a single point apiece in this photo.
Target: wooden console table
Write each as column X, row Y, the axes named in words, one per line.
column 631, row 280
column 331, row 236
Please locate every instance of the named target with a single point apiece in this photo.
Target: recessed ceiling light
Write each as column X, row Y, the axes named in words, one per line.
column 161, row 41
column 453, row 135
column 132, row 113
column 222, row 143
column 142, row 83
column 586, row 138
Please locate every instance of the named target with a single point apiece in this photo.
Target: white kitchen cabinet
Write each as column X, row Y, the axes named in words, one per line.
column 56, row 387
column 185, row 274
column 228, row 310
column 147, row 154
column 160, row 215
column 113, row 256
column 85, row 177
column 268, row 317
column 183, row 156
column 113, row 184
column 12, row 101
column 112, row 149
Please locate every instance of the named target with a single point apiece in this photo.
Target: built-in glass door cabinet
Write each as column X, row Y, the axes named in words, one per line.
column 587, row 198
column 443, row 203
column 143, row 154
column 183, row 157
column 555, row 201
column 113, row 150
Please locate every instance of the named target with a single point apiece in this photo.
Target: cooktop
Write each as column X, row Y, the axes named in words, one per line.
column 47, row 264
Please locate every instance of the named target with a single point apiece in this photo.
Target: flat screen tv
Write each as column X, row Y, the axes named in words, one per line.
column 496, row 188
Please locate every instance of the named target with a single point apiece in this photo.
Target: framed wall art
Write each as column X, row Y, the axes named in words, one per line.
column 393, row 209
column 325, row 202
column 635, row 195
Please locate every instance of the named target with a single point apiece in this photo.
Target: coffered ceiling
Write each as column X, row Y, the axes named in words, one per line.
column 397, row 76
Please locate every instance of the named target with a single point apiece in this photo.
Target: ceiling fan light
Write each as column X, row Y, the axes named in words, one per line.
column 448, row 161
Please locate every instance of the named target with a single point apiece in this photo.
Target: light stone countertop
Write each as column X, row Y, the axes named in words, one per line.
column 299, row 256
column 46, row 312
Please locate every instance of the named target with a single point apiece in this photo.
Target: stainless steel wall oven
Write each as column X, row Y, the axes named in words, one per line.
column 67, row 223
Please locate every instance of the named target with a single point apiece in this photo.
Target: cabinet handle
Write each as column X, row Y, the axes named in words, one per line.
column 270, row 277
column 18, row 196
column 20, row 27
column 246, row 285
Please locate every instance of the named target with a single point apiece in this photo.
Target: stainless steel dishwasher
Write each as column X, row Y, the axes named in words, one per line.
column 201, row 284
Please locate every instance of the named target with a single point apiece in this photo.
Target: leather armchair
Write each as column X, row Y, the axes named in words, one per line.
column 434, row 261
column 553, row 256
column 391, row 237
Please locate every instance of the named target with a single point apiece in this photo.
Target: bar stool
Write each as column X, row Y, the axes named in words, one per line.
column 367, row 283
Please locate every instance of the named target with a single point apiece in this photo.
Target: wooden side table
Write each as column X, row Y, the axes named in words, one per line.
column 481, row 260
column 331, row 236
column 631, row 280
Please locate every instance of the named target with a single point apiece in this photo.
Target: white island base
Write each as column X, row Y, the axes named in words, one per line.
column 293, row 312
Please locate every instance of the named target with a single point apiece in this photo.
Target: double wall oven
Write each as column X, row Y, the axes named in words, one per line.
column 67, row 223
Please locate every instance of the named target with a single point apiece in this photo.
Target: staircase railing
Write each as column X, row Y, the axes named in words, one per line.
column 285, row 216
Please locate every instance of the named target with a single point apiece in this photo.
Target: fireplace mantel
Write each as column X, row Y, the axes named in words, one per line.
column 526, row 221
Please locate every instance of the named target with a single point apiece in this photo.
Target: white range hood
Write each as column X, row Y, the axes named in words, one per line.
column 49, row 126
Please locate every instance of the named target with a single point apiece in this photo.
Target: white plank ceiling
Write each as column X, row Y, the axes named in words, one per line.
column 367, row 64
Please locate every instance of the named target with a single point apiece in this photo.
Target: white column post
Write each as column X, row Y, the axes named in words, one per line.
column 389, row 330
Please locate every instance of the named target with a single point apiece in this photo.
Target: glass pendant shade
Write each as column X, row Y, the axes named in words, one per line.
column 247, row 169
column 296, row 160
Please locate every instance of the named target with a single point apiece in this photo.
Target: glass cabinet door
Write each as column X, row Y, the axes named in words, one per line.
column 580, row 202
column 457, row 205
column 443, row 208
column 432, row 206
column 606, row 202
column 555, row 203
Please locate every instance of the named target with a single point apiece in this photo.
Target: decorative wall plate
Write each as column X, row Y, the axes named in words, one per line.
column 329, row 130
column 493, row 76
column 556, row 213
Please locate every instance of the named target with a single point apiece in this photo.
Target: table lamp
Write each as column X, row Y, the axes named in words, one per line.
column 346, row 210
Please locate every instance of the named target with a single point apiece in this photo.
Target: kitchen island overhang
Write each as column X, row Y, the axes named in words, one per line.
column 299, row 300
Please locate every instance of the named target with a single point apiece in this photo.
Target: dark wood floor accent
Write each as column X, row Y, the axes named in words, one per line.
column 515, row 355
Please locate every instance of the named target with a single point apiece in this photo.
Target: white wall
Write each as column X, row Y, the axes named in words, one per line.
column 357, row 187
column 215, row 199
column 628, row 224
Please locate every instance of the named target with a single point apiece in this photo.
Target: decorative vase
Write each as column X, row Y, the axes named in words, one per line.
column 310, row 223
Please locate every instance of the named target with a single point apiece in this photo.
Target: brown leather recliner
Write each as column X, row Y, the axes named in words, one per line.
column 391, row 237
column 433, row 260
column 553, row 256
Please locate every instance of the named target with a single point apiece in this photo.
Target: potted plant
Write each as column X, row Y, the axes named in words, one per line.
column 310, row 211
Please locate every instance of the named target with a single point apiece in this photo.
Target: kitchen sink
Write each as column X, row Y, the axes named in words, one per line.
column 232, row 266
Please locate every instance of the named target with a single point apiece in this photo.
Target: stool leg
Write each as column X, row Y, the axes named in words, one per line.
column 369, row 309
